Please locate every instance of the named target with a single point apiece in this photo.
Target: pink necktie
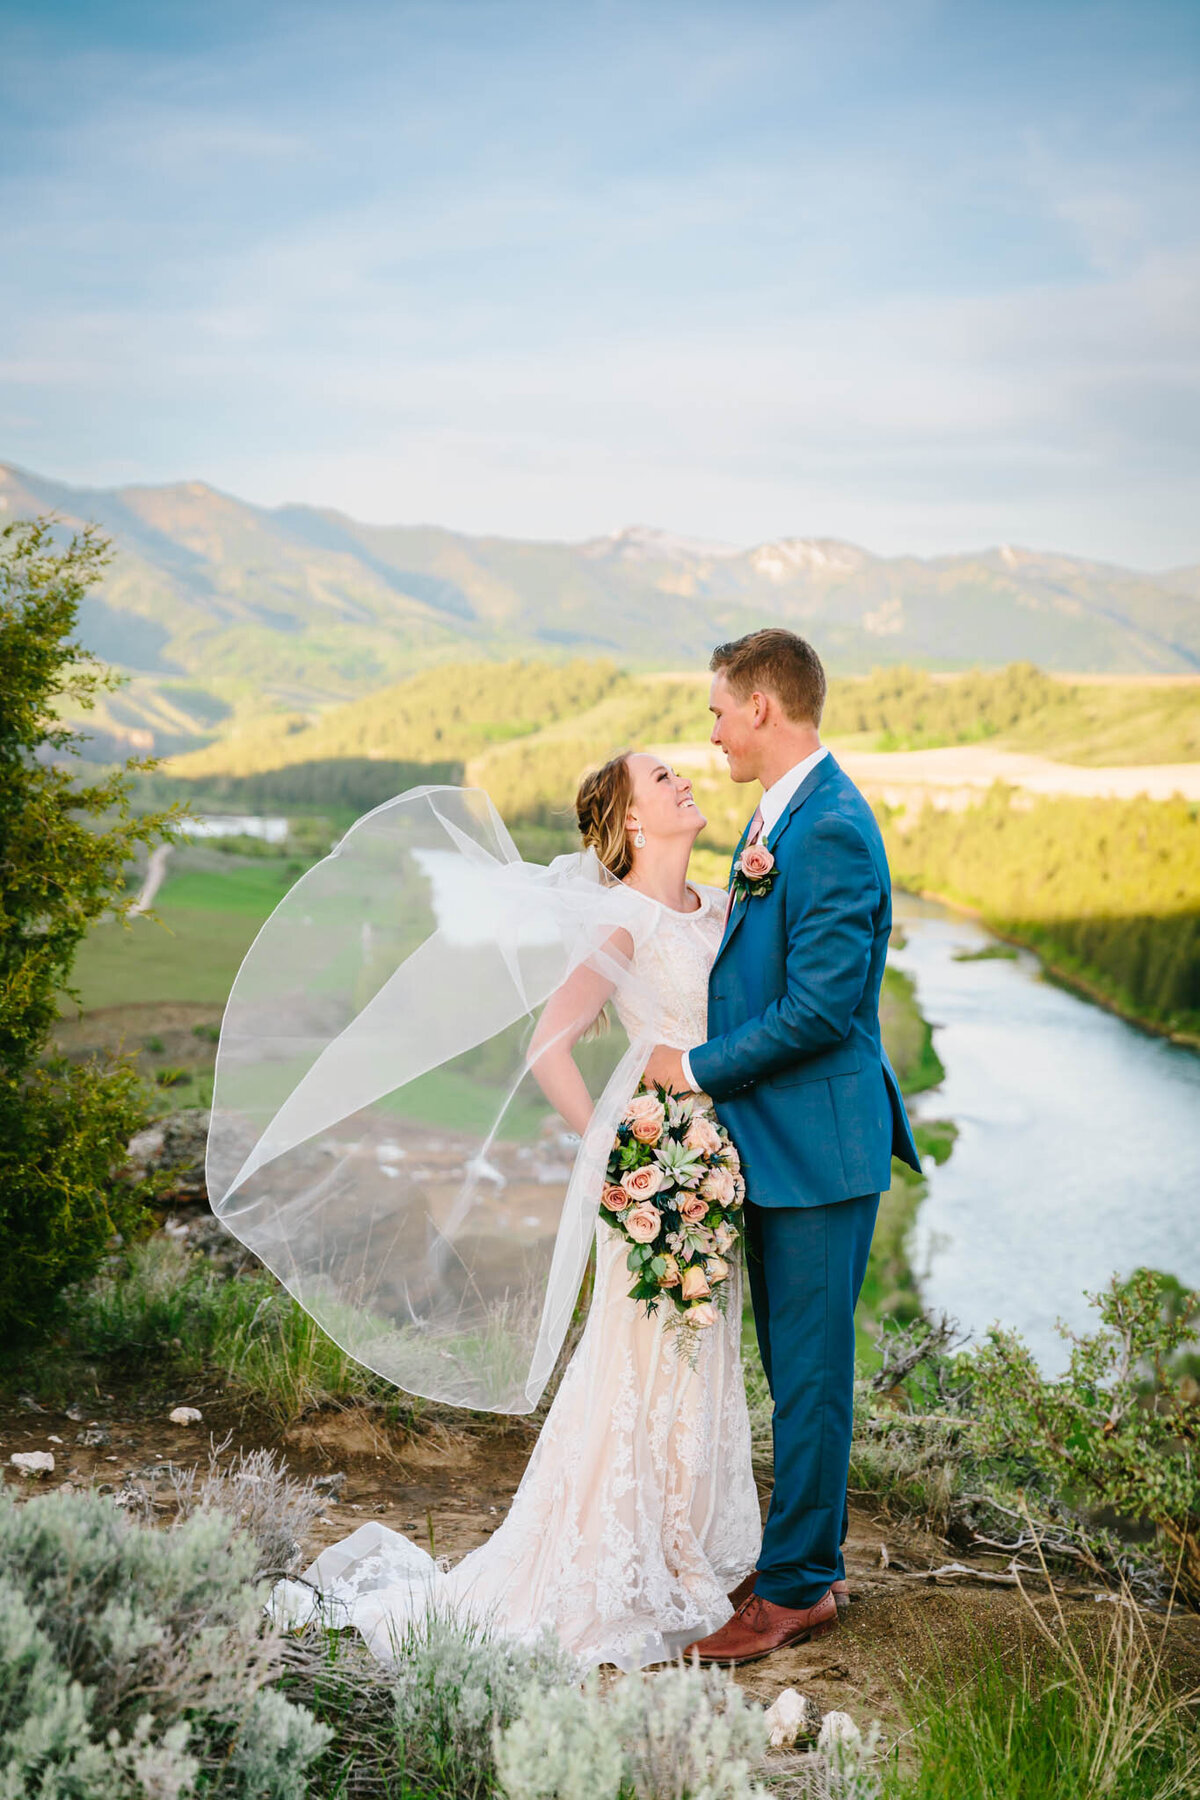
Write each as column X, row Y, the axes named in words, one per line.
column 752, row 837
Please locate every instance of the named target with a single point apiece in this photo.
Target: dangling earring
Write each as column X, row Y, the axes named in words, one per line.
column 639, row 842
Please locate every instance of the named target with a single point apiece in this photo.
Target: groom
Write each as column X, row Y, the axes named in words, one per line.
column 795, row 1065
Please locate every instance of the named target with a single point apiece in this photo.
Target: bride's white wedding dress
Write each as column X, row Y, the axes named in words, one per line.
column 638, row 1510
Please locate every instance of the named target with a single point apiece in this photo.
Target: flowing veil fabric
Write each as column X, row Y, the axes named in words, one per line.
column 378, row 1136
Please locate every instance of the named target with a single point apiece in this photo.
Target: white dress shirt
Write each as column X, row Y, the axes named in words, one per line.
column 773, row 805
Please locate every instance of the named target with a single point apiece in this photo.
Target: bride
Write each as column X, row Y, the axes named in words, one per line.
column 637, row 1512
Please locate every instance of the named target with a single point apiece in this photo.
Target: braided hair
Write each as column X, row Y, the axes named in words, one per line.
column 600, row 807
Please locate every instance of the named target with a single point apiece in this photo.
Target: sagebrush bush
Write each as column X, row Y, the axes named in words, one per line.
column 134, row 1662
column 423, row 1724
column 268, row 1505
column 454, row 1686
column 682, row 1734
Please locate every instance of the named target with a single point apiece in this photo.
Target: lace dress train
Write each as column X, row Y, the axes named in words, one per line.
column 638, row 1510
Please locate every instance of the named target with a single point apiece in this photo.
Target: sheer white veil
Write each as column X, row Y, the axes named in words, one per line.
column 377, row 1136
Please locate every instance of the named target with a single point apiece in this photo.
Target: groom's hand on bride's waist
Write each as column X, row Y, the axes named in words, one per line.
column 665, row 1069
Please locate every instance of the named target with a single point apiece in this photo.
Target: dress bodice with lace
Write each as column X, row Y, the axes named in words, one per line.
column 638, row 1509
column 672, row 964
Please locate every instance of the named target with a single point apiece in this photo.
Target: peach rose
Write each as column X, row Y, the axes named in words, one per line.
column 695, row 1283
column 725, row 1237
column 670, row 1275
column 755, row 862
column 693, row 1208
column 702, row 1314
column 642, row 1223
column 643, row 1183
column 716, row 1268
column 645, row 1106
column 647, row 1131
column 718, row 1186
column 702, row 1135
column 615, row 1198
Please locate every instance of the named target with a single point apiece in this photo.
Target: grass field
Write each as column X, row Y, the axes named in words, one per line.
column 205, row 919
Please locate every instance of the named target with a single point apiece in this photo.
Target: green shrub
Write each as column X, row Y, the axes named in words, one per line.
column 1120, row 1431
column 981, row 1443
column 64, row 847
column 134, row 1662
column 63, row 1131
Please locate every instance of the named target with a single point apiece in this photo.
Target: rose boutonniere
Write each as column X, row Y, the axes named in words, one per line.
column 754, row 873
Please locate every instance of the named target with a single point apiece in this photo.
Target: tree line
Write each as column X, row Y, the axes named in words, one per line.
column 1107, row 891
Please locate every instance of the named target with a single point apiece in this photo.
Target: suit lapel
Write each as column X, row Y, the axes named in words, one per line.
column 812, row 781
column 739, row 907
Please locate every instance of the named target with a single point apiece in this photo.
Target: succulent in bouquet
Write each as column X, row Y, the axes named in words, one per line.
column 674, row 1191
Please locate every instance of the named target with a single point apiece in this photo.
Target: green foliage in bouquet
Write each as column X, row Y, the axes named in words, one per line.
column 64, row 847
column 673, row 1190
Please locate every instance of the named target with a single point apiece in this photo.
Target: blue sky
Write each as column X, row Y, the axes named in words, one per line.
column 921, row 275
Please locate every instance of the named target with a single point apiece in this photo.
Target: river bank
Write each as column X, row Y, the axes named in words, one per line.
column 1078, row 1139
column 1057, row 971
column 1106, row 891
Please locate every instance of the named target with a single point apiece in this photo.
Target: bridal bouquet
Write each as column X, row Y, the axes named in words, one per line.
column 673, row 1190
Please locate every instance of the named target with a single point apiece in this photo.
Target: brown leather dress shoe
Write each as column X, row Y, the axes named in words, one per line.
column 840, row 1591
column 759, row 1627
column 742, row 1592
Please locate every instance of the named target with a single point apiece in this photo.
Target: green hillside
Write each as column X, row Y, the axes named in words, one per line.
column 1021, row 708
column 1107, row 891
column 525, row 730
column 225, row 612
column 441, row 714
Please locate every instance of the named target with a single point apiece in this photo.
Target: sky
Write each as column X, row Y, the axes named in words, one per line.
column 919, row 274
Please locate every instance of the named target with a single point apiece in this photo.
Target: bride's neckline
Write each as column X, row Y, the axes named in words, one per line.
column 677, row 911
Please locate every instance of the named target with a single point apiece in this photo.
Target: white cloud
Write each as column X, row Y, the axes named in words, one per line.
column 737, row 275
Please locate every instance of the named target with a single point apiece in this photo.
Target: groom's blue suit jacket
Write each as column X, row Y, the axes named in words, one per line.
column 794, row 1060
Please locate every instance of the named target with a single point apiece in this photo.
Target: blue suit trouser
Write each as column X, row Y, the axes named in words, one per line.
column 806, row 1266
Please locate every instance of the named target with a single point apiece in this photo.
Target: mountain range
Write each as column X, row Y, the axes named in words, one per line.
column 220, row 610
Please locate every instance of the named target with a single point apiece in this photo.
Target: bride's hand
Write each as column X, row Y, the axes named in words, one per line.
column 665, row 1069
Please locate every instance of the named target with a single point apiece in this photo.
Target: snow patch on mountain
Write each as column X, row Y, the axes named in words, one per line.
column 808, row 556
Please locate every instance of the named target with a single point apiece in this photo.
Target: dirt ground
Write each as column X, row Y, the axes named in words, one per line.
column 449, row 1489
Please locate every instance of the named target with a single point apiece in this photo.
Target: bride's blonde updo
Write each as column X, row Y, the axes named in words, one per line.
column 600, row 807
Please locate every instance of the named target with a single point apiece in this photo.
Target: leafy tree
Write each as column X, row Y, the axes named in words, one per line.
column 64, row 847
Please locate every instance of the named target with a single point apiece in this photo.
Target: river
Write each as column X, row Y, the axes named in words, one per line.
column 1078, row 1152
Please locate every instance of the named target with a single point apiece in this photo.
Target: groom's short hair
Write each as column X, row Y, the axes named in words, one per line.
column 774, row 661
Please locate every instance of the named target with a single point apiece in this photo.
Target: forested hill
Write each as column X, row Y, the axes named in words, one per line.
column 220, row 607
